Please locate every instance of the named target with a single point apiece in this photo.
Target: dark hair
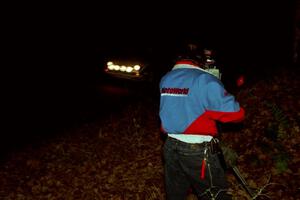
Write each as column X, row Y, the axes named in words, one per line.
column 190, row 53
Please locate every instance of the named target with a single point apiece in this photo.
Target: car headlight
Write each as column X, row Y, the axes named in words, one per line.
column 110, row 67
column 137, row 67
column 123, row 68
column 129, row 69
column 116, row 67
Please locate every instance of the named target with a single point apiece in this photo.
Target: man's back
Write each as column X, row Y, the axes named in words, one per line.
column 187, row 94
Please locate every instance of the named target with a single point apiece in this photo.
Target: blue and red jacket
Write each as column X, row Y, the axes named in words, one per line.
column 192, row 100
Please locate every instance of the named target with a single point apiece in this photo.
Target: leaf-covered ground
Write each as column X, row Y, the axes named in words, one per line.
column 121, row 157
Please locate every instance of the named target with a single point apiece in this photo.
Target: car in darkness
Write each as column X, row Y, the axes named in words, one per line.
column 132, row 70
column 130, row 63
column 127, row 69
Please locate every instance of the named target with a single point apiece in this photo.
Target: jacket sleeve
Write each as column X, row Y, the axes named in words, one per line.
column 221, row 105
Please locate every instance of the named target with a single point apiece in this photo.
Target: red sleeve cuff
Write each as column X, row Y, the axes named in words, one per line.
column 227, row 116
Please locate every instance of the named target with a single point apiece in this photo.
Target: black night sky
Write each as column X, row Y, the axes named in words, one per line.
column 57, row 51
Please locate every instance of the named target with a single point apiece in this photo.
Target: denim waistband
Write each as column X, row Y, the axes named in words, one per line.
column 174, row 140
column 189, row 138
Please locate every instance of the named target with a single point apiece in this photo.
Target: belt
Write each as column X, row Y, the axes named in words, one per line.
column 212, row 145
column 202, row 144
column 191, row 138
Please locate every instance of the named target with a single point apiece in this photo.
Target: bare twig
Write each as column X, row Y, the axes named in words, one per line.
column 260, row 191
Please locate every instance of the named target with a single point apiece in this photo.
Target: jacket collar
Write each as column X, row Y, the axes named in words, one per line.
column 187, row 65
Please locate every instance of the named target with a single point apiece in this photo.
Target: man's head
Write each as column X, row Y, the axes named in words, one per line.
column 202, row 58
column 190, row 52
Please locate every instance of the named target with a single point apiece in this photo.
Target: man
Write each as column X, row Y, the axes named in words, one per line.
column 191, row 101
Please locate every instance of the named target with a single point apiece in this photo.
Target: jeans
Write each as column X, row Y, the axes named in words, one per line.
column 182, row 165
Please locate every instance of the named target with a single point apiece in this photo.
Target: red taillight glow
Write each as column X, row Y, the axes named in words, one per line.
column 240, row 81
